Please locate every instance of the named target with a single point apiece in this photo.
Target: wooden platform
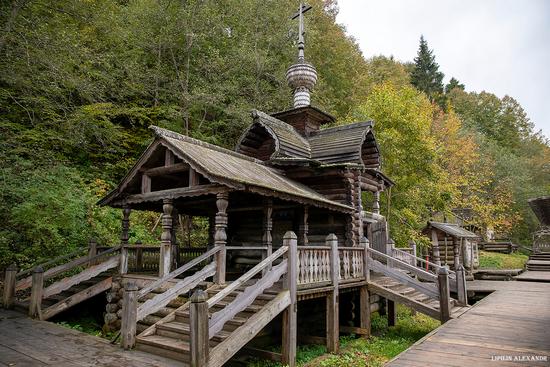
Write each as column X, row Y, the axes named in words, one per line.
column 534, row 276
column 27, row 342
column 510, row 323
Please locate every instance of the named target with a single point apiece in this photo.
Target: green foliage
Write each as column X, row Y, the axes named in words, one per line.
column 495, row 260
column 385, row 344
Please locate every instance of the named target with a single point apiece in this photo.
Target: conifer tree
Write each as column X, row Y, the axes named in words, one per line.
column 426, row 76
column 453, row 83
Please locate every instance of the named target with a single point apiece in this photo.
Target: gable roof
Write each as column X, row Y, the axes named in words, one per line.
column 232, row 169
column 330, row 146
column 342, row 144
column 451, row 229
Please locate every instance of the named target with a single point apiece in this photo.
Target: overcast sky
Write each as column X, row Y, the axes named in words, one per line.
column 499, row 46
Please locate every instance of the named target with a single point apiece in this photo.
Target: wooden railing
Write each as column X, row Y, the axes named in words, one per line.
column 203, row 328
column 351, row 262
column 132, row 313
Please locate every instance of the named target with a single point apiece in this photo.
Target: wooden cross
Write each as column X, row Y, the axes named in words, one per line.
column 303, row 8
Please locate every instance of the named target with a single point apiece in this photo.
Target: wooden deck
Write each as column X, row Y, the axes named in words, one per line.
column 27, row 342
column 534, row 276
column 510, row 323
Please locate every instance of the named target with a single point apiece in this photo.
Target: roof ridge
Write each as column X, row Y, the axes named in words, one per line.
column 165, row 133
column 343, row 127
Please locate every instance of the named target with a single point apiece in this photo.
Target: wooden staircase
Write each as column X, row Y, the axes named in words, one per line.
column 402, row 281
column 170, row 337
column 398, row 292
column 50, row 294
column 538, row 262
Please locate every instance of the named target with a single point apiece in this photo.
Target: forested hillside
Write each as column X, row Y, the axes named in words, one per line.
column 80, row 81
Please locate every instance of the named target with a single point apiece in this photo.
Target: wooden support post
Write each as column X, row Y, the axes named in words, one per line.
column 303, row 228
column 166, row 238
column 123, row 269
column 139, row 257
column 174, row 241
column 220, row 237
column 414, row 252
column 9, row 286
column 288, row 349
column 376, row 203
column 92, row 251
column 124, row 236
column 461, row 285
column 333, row 330
column 435, row 248
column 35, row 306
column 444, row 294
column 198, row 327
column 392, row 312
column 193, row 177
column 364, row 295
column 267, row 238
column 129, row 315
column 390, row 245
column 456, row 258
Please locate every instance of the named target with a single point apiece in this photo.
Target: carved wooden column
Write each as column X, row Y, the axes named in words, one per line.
column 303, row 228
column 220, row 237
column 166, row 238
column 456, row 257
column 267, row 239
column 435, row 248
column 124, row 236
column 376, row 204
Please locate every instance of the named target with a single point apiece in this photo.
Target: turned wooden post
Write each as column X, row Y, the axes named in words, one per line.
column 198, row 327
column 435, row 248
column 124, row 236
column 35, row 306
column 92, row 251
column 267, row 239
column 333, row 330
column 124, row 259
column 461, row 285
column 9, row 286
column 220, row 237
column 288, row 349
column 129, row 315
column 376, row 203
column 456, row 258
column 444, row 294
column 303, row 228
column 364, row 296
column 166, row 238
column 174, row 241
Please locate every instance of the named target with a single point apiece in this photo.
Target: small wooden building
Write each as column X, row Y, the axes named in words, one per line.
column 286, row 173
column 452, row 245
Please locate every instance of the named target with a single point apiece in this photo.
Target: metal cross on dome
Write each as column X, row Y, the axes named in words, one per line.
column 300, row 14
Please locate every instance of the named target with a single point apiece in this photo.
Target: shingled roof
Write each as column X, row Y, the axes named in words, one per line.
column 234, row 170
column 451, row 229
column 541, row 208
column 339, row 145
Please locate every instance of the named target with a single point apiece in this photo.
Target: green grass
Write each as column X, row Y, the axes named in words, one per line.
column 495, row 260
column 385, row 343
column 86, row 325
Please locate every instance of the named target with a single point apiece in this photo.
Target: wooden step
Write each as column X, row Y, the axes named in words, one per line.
column 180, row 330
column 164, row 346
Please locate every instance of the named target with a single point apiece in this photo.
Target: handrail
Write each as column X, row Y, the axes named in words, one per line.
column 50, row 262
column 178, row 271
column 237, row 248
column 420, row 272
column 50, row 273
column 313, row 248
column 245, row 277
column 429, row 263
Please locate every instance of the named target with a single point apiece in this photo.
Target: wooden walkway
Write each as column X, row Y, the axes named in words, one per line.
column 509, row 327
column 534, row 276
column 27, row 342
